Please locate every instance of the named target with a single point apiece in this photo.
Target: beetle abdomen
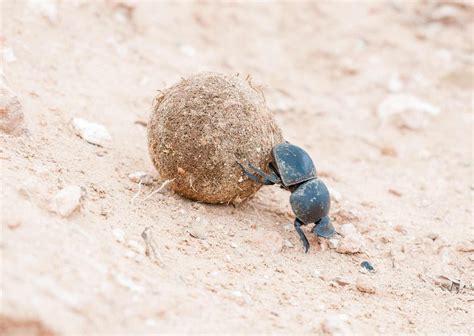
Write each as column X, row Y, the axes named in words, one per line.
column 310, row 201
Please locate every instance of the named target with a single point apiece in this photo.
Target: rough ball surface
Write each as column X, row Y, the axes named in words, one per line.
column 201, row 126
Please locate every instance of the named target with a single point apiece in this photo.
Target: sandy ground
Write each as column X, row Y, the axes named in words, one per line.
column 405, row 182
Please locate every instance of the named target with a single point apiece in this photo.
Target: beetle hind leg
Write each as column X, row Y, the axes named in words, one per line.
column 324, row 228
column 300, row 232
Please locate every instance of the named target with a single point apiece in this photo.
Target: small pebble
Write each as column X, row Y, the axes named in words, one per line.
column 289, row 227
column 466, row 246
column 342, row 281
column 93, row 133
column 67, row 200
column 395, row 84
column 198, row 232
column 136, row 246
column 401, row 229
column 433, row 236
column 365, row 287
column 119, row 235
column 12, row 119
column 348, row 229
column 46, row 8
column 406, row 111
column 9, row 55
column 335, row 195
column 287, row 243
column 336, row 325
column 333, row 243
column 352, row 241
column 141, row 176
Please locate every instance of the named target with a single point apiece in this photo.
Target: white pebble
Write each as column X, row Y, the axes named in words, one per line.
column 119, row 235
column 187, row 50
column 93, row 133
column 141, row 176
column 9, row 55
column 128, row 283
column 287, row 243
column 333, row 243
column 347, row 229
column 136, row 246
column 46, row 8
column 336, row 325
column 406, row 111
column 352, row 241
column 67, row 200
column 395, row 84
column 335, row 195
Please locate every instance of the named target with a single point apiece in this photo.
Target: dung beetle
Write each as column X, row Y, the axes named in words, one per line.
column 292, row 168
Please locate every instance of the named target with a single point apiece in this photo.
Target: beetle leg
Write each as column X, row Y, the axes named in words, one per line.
column 259, row 179
column 269, row 177
column 324, row 228
column 300, row 232
column 249, row 174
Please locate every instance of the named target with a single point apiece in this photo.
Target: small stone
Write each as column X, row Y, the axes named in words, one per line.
column 197, row 231
column 233, row 245
column 12, row 119
column 128, row 283
column 287, row 243
column 93, row 133
column 395, row 84
column 433, row 236
column 46, row 8
column 119, row 235
column 447, row 14
column 335, row 195
column 352, row 241
column 389, row 151
column 268, row 241
column 348, row 229
column 466, row 246
column 333, row 243
column 141, row 177
column 13, row 224
column 336, row 325
column 187, row 50
column 136, row 246
column 67, row 200
column 289, row 227
column 351, row 244
column 316, row 273
column 9, row 55
column 342, row 281
column 406, row 111
column 365, row 287
column 401, row 229
column 323, row 244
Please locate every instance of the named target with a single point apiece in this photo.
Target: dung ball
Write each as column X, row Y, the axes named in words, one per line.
column 201, row 127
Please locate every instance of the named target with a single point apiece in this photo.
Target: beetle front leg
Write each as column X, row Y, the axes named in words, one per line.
column 300, row 232
column 263, row 179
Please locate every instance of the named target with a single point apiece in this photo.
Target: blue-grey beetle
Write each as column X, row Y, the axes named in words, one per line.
column 293, row 169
